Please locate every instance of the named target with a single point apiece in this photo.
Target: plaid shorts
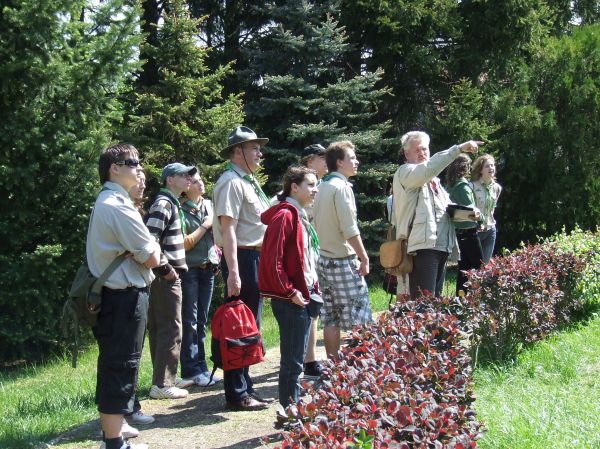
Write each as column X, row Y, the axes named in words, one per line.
column 345, row 293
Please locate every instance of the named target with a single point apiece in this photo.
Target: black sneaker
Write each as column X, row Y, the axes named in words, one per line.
column 312, row 370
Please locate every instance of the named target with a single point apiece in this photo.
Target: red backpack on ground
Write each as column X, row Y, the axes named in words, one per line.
column 236, row 341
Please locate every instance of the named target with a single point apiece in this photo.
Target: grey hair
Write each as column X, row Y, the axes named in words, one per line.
column 407, row 138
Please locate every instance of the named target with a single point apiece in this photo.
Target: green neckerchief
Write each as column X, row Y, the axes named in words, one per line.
column 332, row 175
column 313, row 236
column 252, row 180
column 168, row 193
column 489, row 199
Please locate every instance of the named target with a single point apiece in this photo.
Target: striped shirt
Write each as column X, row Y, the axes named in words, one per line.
column 165, row 226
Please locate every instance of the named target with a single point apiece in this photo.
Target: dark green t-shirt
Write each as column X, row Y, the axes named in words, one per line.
column 461, row 193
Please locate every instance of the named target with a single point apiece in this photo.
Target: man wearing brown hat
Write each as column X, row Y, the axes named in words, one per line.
column 238, row 203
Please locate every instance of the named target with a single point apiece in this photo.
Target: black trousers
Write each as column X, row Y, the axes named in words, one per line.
column 237, row 382
column 471, row 255
column 429, row 272
column 120, row 334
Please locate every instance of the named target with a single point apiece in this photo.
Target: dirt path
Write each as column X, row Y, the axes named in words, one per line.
column 200, row 421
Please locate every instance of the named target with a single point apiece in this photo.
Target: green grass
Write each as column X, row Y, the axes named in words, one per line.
column 39, row 402
column 548, row 398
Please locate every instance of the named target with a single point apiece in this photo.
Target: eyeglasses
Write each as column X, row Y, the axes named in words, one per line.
column 132, row 163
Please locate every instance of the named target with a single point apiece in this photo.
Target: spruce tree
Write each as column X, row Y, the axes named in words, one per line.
column 64, row 62
column 184, row 115
column 300, row 93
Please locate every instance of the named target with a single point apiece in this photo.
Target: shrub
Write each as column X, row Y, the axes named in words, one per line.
column 585, row 245
column 522, row 297
column 402, row 382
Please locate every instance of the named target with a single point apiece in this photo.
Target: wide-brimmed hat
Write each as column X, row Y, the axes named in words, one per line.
column 240, row 135
column 315, row 148
column 177, row 168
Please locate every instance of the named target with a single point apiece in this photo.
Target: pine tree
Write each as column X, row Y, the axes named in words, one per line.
column 183, row 116
column 64, row 62
column 300, row 93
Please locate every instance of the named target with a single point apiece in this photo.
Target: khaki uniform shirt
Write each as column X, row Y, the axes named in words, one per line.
column 235, row 197
column 335, row 217
column 116, row 226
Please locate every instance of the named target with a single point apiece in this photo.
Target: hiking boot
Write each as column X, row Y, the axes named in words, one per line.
column 312, row 370
column 140, row 417
column 248, row 403
column 259, row 398
column 167, row 392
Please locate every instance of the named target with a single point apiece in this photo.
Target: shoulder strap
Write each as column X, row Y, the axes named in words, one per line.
column 109, row 270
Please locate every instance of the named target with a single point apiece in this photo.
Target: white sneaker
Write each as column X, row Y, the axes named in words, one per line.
column 126, row 431
column 203, row 380
column 167, row 392
column 215, row 377
column 185, row 383
column 127, row 445
column 129, row 432
column 140, row 418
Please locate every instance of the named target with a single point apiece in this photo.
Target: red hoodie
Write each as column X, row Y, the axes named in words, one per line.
column 281, row 267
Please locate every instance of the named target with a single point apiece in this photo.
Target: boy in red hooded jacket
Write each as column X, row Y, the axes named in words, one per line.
column 287, row 273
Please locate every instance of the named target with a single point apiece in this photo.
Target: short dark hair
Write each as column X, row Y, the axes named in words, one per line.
column 295, row 174
column 307, row 159
column 457, row 169
column 113, row 154
column 336, row 151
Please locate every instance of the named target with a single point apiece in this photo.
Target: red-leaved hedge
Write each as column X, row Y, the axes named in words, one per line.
column 520, row 298
column 402, row 382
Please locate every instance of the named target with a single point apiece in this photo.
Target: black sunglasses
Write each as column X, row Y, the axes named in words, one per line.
column 133, row 163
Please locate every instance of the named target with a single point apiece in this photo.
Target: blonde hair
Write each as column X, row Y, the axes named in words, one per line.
column 478, row 166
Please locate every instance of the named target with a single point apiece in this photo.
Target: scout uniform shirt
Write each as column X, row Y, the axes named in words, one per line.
column 236, row 196
column 115, row 227
column 335, row 216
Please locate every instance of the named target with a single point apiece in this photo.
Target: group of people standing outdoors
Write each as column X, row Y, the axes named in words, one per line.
column 302, row 250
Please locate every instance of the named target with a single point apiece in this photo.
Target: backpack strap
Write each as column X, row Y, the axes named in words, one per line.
column 212, row 374
column 94, row 296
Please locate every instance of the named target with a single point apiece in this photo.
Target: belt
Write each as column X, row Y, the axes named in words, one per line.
column 203, row 266
column 466, row 231
column 128, row 289
column 252, row 248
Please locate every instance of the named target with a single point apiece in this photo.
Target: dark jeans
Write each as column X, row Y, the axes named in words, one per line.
column 197, row 288
column 294, row 326
column 488, row 240
column 120, row 334
column 237, row 382
column 470, row 255
column 428, row 273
